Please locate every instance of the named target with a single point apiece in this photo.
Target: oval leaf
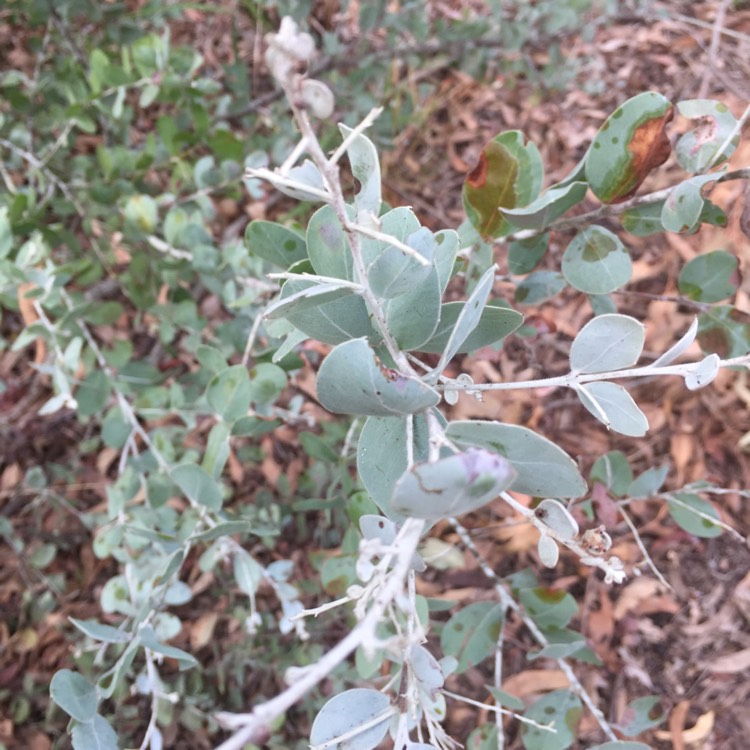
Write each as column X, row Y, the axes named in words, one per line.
column 606, row 343
column 228, row 393
column 495, row 323
column 352, row 380
column 452, row 486
column 542, row 467
column 684, row 508
column 74, row 694
column 363, row 160
column 197, row 485
column 632, row 142
column 382, row 456
column 328, row 246
column 596, row 262
column 561, row 708
column 683, row 208
column 612, row 405
column 331, row 322
column 549, row 552
column 471, row 634
column 710, row 277
column 555, row 515
column 697, row 149
column 274, row 243
column 551, row 204
column 94, row 735
column 468, row 318
column 347, row 711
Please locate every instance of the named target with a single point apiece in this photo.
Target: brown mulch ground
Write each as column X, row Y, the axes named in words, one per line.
column 691, row 645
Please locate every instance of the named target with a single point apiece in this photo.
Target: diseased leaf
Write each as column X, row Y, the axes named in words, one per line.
column 710, row 277
column 508, row 175
column 643, row 221
column 328, row 246
column 682, row 209
column 698, row 148
column 685, row 507
column 561, row 708
column 631, row 143
column 274, row 243
column 471, row 634
column 724, row 330
column 363, row 159
column 596, row 261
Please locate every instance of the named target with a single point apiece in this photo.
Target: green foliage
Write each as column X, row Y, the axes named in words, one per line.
column 160, row 338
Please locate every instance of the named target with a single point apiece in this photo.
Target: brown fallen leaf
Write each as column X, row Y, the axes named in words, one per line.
column 739, row 661
column 697, row 733
column 532, row 681
column 644, row 595
column 30, row 315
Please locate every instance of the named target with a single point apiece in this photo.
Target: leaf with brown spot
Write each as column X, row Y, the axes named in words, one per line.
column 630, row 144
column 489, row 187
column 509, row 175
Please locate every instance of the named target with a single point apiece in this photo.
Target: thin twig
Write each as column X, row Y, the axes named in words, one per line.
column 508, row 602
column 642, row 548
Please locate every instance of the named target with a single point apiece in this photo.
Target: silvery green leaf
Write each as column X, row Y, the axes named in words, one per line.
column 96, row 734
column 445, row 255
column 399, row 223
column 305, row 174
column 682, row 209
column 426, row 669
column 382, row 455
column 596, row 261
column 549, row 552
column 365, row 166
column 347, row 711
column 352, row 380
column 495, row 323
column 317, row 98
column 551, row 204
column 542, row 467
column 703, row 373
column 315, row 295
column 698, row 148
column 468, row 318
column 74, row 694
column 331, row 322
column 328, row 246
column 679, row 348
column 608, row 342
column 612, row 405
column 394, row 273
column 147, row 637
column 555, row 515
column 413, row 317
column 453, row 485
column 101, row 632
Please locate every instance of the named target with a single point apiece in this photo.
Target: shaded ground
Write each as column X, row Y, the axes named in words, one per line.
column 691, row 645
